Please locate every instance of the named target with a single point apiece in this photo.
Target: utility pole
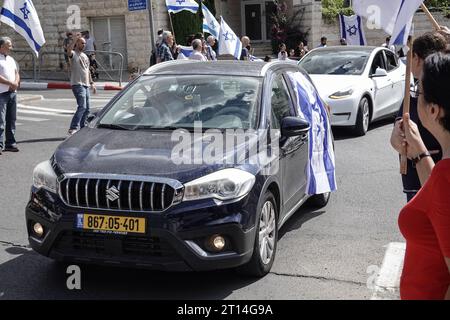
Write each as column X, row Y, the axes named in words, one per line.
column 152, row 25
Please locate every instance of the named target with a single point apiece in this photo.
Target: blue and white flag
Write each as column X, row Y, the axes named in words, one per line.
column 175, row 6
column 229, row 43
column 210, row 24
column 393, row 16
column 352, row 30
column 186, row 51
column 322, row 163
column 21, row 15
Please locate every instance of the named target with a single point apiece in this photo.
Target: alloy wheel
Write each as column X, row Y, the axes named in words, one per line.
column 267, row 232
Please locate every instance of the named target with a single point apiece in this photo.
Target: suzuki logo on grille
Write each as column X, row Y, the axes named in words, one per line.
column 112, row 194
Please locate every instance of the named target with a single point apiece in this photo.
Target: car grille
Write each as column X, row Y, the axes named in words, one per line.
column 101, row 245
column 116, row 194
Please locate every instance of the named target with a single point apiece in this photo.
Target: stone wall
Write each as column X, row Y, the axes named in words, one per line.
column 53, row 16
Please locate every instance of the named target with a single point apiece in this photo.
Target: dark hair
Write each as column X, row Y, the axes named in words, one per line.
column 160, row 32
column 428, row 44
column 388, row 38
column 323, row 39
column 435, row 80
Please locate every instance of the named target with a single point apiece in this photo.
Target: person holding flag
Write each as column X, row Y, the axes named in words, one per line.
column 9, row 82
column 229, row 43
column 21, row 15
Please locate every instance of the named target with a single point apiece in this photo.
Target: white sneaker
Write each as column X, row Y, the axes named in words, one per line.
column 71, row 132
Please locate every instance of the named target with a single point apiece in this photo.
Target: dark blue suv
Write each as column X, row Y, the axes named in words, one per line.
column 166, row 176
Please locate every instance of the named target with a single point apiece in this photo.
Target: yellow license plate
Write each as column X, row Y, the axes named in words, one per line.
column 112, row 224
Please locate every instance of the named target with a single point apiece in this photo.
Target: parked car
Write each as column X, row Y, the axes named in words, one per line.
column 360, row 84
column 111, row 194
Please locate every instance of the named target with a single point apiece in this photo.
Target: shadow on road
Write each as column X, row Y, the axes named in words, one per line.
column 31, row 276
column 344, row 133
column 303, row 215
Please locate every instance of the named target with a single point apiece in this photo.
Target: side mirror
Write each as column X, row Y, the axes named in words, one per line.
column 91, row 117
column 294, row 127
column 379, row 73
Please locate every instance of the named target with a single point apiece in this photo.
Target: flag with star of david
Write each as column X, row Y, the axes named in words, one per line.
column 352, row 30
column 210, row 24
column 175, row 6
column 229, row 43
column 21, row 15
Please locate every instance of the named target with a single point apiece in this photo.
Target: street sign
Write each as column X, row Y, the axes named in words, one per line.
column 135, row 5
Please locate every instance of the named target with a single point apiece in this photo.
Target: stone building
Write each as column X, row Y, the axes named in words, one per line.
column 118, row 28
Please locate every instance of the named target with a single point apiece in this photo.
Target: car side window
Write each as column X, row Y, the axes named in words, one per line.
column 281, row 102
column 378, row 62
column 392, row 63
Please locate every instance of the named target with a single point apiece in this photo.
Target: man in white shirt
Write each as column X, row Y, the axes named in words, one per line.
column 197, row 53
column 9, row 83
column 388, row 45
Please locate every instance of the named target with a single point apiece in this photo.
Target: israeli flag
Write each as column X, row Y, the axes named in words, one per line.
column 175, row 6
column 210, row 24
column 352, row 30
column 229, row 43
column 322, row 163
column 21, row 15
column 393, row 16
column 186, row 51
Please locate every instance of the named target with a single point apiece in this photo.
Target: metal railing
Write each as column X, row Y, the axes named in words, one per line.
column 109, row 62
column 108, row 58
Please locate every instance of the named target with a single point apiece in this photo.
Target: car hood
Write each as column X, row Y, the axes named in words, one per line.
column 329, row 84
column 146, row 153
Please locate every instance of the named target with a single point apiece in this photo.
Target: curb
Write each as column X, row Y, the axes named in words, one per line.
column 62, row 86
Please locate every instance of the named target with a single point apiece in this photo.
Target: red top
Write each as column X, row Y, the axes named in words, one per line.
column 425, row 224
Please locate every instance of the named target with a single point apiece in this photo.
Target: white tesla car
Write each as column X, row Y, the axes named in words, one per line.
column 360, row 84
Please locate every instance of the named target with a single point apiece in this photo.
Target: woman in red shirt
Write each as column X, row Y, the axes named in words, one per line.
column 425, row 221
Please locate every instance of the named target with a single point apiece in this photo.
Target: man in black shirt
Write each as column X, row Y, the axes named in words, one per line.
column 423, row 46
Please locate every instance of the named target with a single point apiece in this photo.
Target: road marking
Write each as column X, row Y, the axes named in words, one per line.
column 43, row 113
column 387, row 284
column 74, row 101
column 45, row 109
column 31, row 119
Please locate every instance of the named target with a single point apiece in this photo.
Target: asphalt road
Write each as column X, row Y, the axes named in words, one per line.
column 321, row 254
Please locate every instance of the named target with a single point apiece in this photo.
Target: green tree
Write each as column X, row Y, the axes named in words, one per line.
column 186, row 23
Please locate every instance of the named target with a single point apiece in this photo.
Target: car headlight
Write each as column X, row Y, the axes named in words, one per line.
column 342, row 94
column 44, row 177
column 226, row 184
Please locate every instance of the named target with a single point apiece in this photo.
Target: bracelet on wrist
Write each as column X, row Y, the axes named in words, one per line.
column 417, row 159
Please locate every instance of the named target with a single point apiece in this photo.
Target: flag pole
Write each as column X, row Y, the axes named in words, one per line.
column 431, row 18
column 406, row 104
column 173, row 30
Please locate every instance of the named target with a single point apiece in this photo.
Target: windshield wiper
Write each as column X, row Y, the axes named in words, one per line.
column 114, row 127
column 164, row 128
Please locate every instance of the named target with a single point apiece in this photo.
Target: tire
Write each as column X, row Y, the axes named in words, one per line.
column 319, row 200
column 363, row 118
column 260, row 262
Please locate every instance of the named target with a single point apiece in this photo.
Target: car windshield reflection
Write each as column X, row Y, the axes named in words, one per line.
column 178, row 102
column 335, row 62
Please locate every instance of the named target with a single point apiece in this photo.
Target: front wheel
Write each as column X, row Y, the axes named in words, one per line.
column 265, row 240
column 363, row 118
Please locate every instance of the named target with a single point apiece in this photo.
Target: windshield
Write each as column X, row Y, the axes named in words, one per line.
column 172, row 102
column 335, row 62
